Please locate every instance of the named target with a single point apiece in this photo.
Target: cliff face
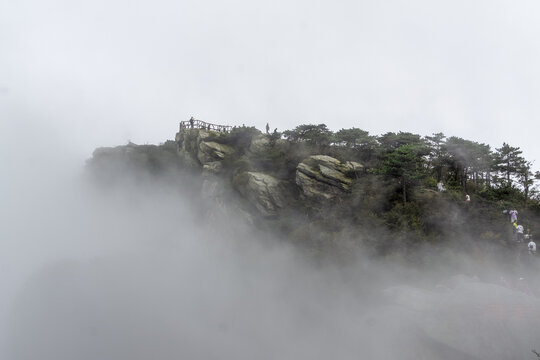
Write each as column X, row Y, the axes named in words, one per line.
column 322, row 177
column 317, row 179
column 313, row 196
column 314, row 199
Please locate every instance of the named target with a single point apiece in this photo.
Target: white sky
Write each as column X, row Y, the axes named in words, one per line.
column 100, row 73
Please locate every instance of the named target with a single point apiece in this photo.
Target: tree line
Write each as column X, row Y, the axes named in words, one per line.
column 412, row 160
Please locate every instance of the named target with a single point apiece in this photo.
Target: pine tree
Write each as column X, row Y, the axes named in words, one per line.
column 405, row 164
column 507, row 161
column 436, row 153
column 525, row 177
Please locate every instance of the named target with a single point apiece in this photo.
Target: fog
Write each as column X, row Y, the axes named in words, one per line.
column 136, row 271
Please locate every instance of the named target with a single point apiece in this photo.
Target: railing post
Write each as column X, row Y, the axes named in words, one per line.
column 199, row 124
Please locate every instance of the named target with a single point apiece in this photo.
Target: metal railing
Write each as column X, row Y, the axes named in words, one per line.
column 199, row 124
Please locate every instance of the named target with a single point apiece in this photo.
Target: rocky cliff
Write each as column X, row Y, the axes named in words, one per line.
column 315, row 196
column 320, row 179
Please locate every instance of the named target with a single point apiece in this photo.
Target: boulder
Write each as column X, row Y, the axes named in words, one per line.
column 322, row 177
column 210, row 151
column 197, row 149
column 354, row 166
column 264, row 191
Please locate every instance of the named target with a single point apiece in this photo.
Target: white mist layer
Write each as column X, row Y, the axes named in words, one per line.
column 136, row 273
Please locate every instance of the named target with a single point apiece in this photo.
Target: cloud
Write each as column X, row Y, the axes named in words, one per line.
column 134, row 271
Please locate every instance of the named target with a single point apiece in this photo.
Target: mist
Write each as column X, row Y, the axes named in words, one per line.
column 139, row 270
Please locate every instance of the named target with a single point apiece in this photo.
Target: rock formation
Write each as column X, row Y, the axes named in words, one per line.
column 196, row 149
column 210, row 151
column 318, row 177
column 265, row 192
column 321, row 177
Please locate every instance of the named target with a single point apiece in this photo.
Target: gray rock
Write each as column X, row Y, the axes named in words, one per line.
column 322, row 177
column 195, row 150
column 188, row 159
column 210, row 151
column 314, row 189
column 354, row 166
column 187, row 140
column 265, row 192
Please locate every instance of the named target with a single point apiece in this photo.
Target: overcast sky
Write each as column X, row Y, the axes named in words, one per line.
column 98, row 73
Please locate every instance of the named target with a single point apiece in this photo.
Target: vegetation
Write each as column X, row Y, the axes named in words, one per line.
column 462, row 165
column 394, row 201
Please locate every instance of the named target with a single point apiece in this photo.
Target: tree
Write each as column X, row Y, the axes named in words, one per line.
column 362, row 144
column 352, row 137
column 468, row 160
column 405, row 163
column 525, row 177
column 437, row 154
column 507, row 161
column 482, row 162
column 459, row 159
column 318, row 135
column 391, row 141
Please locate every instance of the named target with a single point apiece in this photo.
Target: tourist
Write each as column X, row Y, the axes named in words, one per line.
column 514, row 231
column 532, row 247
column 440, row 186
column 513, row 215
column 527, row 236
column 519, row 231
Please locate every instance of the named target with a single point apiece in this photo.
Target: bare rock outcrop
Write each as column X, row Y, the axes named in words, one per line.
column 210, row 151
column 197, row 149
column 263, row 191
column 321, row 177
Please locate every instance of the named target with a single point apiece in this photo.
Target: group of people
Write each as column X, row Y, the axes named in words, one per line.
column 519, row 236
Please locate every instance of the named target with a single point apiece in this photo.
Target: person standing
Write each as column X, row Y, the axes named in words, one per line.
column 514, row 231
column 513, row 215
column 527, row 237
column 532, row 247
column 519, row 230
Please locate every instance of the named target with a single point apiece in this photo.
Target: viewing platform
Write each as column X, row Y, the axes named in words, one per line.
column 199, row 124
